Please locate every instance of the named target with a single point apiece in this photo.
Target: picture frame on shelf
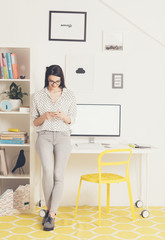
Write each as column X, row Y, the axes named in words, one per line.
column 67, row 26
column 112, row 41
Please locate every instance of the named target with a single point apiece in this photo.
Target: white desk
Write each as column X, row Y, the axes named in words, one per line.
column 80, row 149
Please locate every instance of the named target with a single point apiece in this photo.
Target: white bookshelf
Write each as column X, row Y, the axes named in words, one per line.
column 20, row 120
column 15, row 176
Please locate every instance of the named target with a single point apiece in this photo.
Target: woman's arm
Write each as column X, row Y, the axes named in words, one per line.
column 40, row 120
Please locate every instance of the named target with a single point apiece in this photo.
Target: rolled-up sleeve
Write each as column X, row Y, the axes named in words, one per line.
column 34, row 111
column 72, row 110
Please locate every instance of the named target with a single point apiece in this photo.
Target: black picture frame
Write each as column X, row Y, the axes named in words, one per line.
column 67, row 26
column 117, row 80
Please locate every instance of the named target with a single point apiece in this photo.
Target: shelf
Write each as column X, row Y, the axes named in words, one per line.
column 14, row 80
column 15, row 176
column 14, row 112
column 15, row 145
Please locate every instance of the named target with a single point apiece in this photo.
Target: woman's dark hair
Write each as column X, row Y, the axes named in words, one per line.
column 55, row 70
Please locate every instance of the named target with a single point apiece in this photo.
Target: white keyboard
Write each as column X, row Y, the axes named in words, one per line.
column 89, row 145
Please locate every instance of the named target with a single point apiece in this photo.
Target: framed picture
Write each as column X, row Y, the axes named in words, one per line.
column 112, row 41
column 117, row 80
column 80, row 73
column 67, row 26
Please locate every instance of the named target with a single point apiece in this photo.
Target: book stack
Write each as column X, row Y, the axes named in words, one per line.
column 13, row 137
column 8, row 66
column 3, row 162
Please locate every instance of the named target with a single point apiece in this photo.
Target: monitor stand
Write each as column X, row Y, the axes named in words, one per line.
column 90, row 144
column 91, row 140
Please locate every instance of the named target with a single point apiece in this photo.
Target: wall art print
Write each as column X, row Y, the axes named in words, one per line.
column 112, row 41
column 67, row 26
column 80, row 73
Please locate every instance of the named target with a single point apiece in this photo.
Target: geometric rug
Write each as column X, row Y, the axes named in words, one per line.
column 117, row 225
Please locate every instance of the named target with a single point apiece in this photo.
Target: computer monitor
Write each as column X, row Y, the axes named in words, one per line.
column 97, row 120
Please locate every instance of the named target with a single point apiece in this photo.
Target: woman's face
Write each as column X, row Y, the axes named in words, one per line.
column 54, row 82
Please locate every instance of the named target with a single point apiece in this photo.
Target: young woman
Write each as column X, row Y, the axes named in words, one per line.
column 53, row 111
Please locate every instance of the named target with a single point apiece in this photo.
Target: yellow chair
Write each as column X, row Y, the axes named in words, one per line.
column 107, row 178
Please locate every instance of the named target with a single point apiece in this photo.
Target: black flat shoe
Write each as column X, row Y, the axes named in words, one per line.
column 49, row 224
column 44, row 219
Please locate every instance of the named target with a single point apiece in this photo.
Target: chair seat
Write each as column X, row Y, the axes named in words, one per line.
column 105, row 178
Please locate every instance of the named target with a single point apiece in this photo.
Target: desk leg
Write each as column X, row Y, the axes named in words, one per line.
column 138, row 162
column 145, row 213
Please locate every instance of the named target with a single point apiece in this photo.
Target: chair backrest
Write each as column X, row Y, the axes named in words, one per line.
column 110, row 163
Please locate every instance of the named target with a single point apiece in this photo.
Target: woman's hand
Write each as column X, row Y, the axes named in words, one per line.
column 49, row 115
column 59, row 114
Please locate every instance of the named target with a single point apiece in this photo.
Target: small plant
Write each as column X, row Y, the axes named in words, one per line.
column 15, row 92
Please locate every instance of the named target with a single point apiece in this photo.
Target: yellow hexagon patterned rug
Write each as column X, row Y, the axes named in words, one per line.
column 117, row 225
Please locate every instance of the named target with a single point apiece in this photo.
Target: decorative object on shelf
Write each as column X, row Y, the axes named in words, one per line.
column 20, row 162
column 21, row 197
column 16, row 103
column 15, row 93
column 112, row 41
column 3, row 162
column 6, row 105
column 67, row 26
column 6, row 203
column 22, row 77
column 24, row 109
column 117, row 80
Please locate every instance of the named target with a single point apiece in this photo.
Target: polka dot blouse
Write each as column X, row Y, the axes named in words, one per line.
column 42, row 102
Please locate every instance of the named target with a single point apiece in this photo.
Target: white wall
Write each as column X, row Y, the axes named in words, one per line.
column 141, row 62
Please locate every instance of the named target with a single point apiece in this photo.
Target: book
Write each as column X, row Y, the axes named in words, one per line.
column 9, row 65
column 13, row 130
column 5, row 69
column 13, row 137
column 3, row 163
column 14, row 66
column 12, row 133
column 1, row 67
column 11, row 141
column 133, row 145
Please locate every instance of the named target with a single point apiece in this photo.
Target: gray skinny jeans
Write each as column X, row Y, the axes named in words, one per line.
column 53, row 149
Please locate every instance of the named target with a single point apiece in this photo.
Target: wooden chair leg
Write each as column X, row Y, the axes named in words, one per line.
column 78, row 195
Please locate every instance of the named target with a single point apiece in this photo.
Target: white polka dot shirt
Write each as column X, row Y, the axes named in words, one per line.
column 42, row 102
